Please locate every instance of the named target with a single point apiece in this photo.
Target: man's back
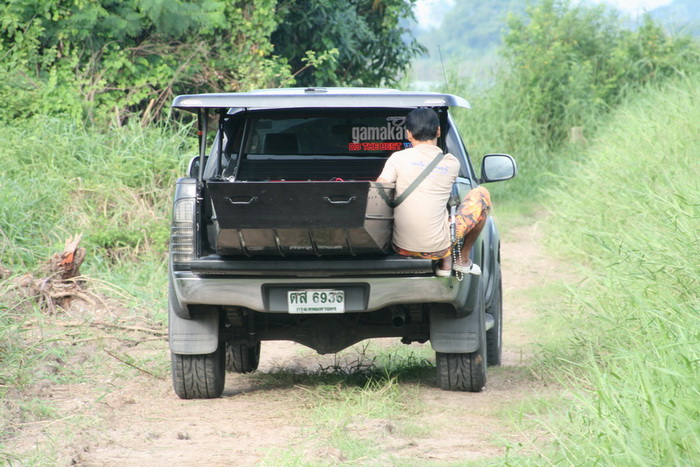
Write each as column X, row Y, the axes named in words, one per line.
column 420, row 222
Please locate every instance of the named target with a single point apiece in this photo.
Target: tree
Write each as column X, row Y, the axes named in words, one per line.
column 122, row 57
column 569, row 62
column 364, row 42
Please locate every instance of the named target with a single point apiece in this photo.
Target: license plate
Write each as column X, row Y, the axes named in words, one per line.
column 316, row 301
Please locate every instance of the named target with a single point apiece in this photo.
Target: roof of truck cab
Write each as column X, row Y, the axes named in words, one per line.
column 295, row 98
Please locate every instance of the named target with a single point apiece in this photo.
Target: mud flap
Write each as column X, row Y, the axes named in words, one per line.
column 454, row 335
column 452, row 332
column 193, row 336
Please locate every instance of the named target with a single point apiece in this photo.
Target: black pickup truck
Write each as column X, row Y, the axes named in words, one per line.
column 280, row 232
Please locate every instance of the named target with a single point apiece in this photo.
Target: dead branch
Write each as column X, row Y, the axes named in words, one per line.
column 132, row 365
column 104, row 324
column 157, row 332
column 117, row 338
column 62, row 281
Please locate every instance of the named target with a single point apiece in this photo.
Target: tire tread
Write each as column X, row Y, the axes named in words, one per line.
column 198, row 376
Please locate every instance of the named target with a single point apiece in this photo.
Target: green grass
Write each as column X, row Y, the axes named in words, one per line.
column 113, row 186
column 631, row 216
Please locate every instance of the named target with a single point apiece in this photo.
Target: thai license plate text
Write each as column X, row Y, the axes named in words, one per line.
column 316, row 301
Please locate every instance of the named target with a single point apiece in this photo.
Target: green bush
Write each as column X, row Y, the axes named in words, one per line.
column 106, row 59
column 566, row 66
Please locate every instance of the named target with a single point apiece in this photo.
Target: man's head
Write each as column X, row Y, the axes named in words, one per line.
column 423, row 124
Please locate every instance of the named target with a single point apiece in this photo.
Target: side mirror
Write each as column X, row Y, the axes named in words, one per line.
column 498, row 167
column 193, row 169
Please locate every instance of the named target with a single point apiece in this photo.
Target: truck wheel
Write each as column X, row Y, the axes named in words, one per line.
column 242, row 358
column 494, row 342
column 461, row 371
column 464, row 371
column 199, row 376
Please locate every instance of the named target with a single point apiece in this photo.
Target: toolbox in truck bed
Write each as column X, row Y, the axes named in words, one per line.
column 300, row 218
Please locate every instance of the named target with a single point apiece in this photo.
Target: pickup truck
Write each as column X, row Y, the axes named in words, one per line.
column 280, row 232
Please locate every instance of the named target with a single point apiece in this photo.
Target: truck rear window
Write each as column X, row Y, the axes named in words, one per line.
column 311, row 145
column 326, row 135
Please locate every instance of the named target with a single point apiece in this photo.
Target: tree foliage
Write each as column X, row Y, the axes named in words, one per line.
column 76, row 56
column 120, row 58
column 367, row 42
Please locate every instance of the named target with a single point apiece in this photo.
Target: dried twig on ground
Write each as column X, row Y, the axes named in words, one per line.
column 157, row 332
column 133, row 365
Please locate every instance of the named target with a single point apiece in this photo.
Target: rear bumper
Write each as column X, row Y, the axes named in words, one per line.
column 267, row 295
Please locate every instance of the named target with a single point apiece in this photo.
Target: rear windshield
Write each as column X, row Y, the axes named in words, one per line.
column 306, row 144
column 326, row 135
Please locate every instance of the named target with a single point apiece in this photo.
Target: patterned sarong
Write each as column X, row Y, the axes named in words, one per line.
column 474, row 209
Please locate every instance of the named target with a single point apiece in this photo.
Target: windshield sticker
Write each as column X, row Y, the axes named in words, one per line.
column 392, row 131
column 389, row 146
column 389, row 137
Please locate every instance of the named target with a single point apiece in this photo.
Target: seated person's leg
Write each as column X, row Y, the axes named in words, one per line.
column 470, row 221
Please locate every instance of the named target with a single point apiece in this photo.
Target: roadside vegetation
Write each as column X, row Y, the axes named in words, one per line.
column 109, row 62
column 566, row 66
column 630, row 216
column 623, row 203
column 604, row 122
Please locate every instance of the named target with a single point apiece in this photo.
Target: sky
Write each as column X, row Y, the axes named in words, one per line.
column 427, row 18
column 635, row 7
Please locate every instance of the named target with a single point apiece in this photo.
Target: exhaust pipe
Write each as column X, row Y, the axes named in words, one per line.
column 398, row 318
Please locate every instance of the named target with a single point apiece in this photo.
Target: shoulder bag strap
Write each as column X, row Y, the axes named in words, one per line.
column 418, row 180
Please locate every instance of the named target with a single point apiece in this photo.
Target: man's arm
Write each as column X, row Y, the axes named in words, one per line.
column 389, row 173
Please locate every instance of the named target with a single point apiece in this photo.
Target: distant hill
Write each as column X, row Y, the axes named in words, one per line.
column 680, row 16
column 470, row 32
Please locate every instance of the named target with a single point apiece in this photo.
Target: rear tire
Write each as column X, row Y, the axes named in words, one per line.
column 199, row 376
column 242, row 358
column 461, row 371
column 464, row 371
column 494, row 336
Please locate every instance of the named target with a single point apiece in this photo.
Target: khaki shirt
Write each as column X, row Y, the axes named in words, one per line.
column 421, row 221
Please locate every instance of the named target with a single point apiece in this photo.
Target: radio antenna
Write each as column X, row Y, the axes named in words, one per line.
column 444, row 73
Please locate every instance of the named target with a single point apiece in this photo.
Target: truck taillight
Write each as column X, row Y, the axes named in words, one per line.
column 182, row 232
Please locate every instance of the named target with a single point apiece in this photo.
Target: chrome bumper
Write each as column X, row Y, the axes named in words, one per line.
column 193, row 289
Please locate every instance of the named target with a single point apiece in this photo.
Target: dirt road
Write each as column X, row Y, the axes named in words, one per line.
column 130, row 418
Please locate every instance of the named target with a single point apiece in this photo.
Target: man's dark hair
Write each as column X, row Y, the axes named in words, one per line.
column 423, row 124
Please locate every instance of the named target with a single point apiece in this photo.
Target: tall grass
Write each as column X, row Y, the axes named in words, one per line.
column 496, row 124
column 114, row 186
column 631, row 217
